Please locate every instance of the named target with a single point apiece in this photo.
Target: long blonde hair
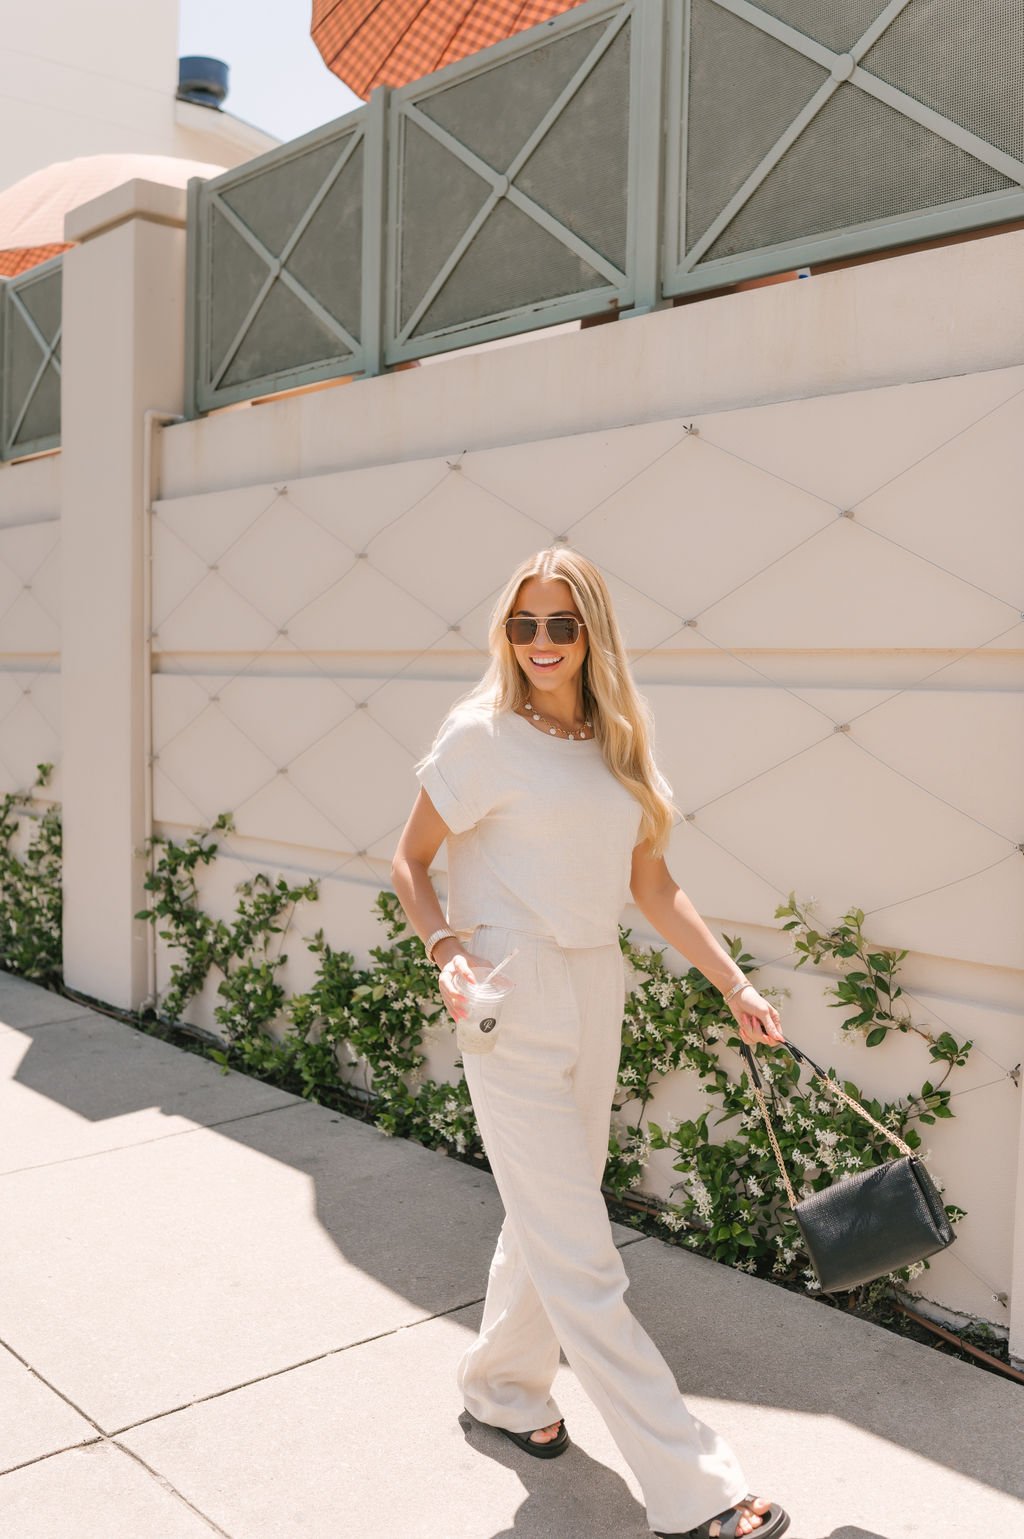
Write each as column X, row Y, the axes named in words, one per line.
column 621, row 716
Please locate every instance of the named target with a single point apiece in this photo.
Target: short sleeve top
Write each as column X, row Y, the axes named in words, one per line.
column 542, row 832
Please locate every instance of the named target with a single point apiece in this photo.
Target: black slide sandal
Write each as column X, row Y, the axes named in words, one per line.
column 549, row 1450
column 774, row 1521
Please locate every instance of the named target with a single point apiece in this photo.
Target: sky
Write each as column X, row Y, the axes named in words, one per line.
column 277, row 79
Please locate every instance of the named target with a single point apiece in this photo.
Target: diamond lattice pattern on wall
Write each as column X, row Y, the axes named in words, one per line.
column 819, row 596
column 30, row 729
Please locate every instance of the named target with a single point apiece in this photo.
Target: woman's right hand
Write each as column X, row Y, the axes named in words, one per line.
column 464, row 964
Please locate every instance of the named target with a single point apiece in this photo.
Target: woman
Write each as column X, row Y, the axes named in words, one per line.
column 542, row 780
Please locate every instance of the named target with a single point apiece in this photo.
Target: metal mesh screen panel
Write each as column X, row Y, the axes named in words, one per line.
column 511, row 262
column 439, row 197
column 963, row 60
column 494, row 113
column 579, row 172
column 745, row 89
column 285, row 335
column 42, row 419
column 272, row 202
column 236, row 273
column 858, row 160
column 327, row 260
column 836, row 23
column 25, row 358
column 42, row 300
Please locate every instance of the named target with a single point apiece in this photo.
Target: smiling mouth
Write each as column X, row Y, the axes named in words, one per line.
column 546, row 666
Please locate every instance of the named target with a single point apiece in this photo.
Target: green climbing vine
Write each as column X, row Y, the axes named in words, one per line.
column 30, row 886
column 355, row 1039
column 370, row 1020
column 731, row 1204
column 361, row 1030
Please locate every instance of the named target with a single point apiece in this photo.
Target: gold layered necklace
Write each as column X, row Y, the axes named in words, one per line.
column 555, row 728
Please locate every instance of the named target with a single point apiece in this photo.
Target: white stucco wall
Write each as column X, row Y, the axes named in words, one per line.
column 324, row 565
column 30, row 626
column 297, row 680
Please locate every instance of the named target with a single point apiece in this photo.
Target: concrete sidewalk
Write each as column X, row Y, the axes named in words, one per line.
column 226, row 1311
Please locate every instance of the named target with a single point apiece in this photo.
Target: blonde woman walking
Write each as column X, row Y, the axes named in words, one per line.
column 542, row 780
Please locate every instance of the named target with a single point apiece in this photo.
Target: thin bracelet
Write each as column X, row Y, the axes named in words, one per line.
column 735, row 990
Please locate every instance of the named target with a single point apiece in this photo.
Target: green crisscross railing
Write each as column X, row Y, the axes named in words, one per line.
column 625, row 154
column 30, row 330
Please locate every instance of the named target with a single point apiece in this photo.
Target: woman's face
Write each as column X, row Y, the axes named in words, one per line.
column 557, row 680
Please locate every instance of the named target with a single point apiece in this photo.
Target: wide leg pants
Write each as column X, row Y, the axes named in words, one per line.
column 543, row 1102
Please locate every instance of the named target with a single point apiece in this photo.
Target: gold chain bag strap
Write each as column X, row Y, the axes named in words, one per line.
column 865, row 1225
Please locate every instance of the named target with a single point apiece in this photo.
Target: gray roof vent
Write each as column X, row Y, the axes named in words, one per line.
column 203, row 81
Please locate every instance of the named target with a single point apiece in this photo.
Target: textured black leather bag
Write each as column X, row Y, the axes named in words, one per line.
column 866, row 1225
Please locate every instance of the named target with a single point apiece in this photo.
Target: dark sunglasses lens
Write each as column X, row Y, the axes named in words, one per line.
column 563, row 630
column 520, row 631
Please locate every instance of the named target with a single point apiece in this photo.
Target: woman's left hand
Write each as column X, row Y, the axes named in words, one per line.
column 758, row 1020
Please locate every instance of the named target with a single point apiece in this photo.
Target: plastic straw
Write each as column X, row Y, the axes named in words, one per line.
column 501, row 964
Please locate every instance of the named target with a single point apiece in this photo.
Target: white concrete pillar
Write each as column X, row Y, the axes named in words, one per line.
column 123, row 353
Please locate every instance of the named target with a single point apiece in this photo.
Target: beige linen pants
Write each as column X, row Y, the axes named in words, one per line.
column 543, row 1102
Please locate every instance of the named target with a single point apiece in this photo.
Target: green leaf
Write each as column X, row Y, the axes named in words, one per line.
column 874, row 1038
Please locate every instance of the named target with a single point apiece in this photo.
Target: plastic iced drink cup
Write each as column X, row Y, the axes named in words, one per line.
column 477, row 1031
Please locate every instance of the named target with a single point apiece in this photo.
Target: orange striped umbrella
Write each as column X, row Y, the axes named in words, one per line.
column 367, row 43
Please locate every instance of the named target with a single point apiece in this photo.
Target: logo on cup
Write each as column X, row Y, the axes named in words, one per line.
column 489, row 1023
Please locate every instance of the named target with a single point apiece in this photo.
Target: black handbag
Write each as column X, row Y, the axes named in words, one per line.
column 868, row 1224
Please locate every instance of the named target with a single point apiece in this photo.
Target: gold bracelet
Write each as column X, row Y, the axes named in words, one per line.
column 735, row 990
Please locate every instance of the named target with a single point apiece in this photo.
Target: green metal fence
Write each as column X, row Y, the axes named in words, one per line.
column 502, row 193
column 512, row 185
column 801, row 131
column 30, row 326
column 625, row 153
column 619, row 156
column 279, row 273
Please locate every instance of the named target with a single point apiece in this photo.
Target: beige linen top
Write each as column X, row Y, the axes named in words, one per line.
column 542, row 833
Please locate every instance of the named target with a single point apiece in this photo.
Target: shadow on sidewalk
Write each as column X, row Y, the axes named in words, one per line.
column 173, row 1187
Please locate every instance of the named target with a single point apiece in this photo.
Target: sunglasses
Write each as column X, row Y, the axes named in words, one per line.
column 562, row 630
